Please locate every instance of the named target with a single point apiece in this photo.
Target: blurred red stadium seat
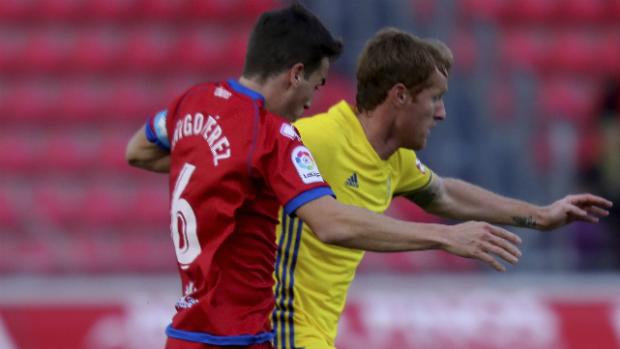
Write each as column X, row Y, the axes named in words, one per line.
column 522, row 49
column 56, row 204
column 12, row 46
column 529, row 11
column 60, row 10
column 134, row 99
column 149, row 50
column 613, row 11
column 481, row 9
column 566, row 98
column 31, row 101
column 607, row 53
column 110, row 154
column 224, row 10
column 48, row 50
column 18, row 155
column 202, row 51
column 82, row 101
column 65, row 153
column 97, row 50
column 570, row 53
column 113, row 10
column 163, row 9
column 9, row 218
column 16, row 9
column 463, row 45
column 150, row 207
column 28, row 254
column 104, row 205
column 581, row 11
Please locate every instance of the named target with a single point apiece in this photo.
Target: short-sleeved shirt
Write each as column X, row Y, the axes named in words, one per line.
column 313, row 277
column 233, row 164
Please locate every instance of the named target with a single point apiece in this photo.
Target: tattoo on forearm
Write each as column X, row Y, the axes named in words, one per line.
column 527, row 222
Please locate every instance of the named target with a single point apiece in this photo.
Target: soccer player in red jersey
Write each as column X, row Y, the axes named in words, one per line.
column 233, row 163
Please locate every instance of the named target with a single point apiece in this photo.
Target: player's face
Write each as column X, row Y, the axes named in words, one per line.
column 301, row 94
column 422, row 113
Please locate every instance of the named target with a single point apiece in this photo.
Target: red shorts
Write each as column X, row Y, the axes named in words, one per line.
column 173, row 343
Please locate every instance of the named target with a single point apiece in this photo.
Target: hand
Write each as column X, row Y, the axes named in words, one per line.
column 582, row 207
column 485, row 242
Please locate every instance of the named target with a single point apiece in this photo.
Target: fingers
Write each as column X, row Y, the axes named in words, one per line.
column 596, row 211
column 500, row 252
column 504, row 234
column 580, row 214
column 589, row 199
column 504, row 249
column 501, row 244
column 488, row 259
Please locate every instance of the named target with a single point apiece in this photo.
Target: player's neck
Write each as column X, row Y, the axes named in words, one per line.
column 378, row 132
column 270, row 89
column 254, row 85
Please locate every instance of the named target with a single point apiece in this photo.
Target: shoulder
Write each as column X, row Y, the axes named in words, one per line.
column 275, row 123
column 406, row 160
column 217, row 94
column 327, row 125
column 311, row 125
column 402, row 157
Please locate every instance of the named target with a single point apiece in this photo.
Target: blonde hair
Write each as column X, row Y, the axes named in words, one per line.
column 394, row 56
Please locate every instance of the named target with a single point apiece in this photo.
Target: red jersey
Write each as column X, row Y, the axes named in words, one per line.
column 233, row 164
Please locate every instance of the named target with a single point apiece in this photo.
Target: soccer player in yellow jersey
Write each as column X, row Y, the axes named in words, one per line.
column 367, row 155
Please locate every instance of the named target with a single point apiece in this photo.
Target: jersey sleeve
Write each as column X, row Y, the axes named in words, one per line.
column 411, row 172
column 158, row 128
column 289, row 168
column 156, row 131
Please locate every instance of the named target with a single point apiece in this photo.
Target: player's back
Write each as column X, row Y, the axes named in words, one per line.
column 223, row 215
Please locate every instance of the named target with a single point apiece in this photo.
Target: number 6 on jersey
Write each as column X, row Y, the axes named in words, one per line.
column 183, row 223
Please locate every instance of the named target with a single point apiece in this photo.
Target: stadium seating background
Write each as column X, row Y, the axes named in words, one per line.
column 526, row 118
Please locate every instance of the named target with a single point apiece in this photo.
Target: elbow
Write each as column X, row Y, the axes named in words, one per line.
column 327, row 236
column 131, row 158
column 333, row 233
column 331, row 222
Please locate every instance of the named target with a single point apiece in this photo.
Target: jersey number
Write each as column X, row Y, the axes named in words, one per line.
column 183, row 224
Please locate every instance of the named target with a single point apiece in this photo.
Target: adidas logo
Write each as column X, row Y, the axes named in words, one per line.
column 352, row 181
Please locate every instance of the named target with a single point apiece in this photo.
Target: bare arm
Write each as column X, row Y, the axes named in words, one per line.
column 453, row 198
column 146, row 155
column 353, row 227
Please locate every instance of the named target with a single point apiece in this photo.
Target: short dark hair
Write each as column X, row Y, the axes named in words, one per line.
column 393, row 56
column 285, row 37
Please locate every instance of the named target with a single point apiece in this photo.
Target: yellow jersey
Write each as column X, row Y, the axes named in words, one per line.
column 312, row 278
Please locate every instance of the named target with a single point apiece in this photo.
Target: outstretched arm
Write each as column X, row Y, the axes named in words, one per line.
column 149, row 156
column 354, row 227
column 453, row 198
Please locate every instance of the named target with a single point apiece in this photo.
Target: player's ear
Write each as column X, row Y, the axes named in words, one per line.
column 399, row 94
column 296, row 74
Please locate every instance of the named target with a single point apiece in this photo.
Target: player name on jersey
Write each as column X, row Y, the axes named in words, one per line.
column 210, row 131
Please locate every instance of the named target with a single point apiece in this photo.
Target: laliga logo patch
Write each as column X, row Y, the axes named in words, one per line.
column 304, row 160
column 305, row 165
